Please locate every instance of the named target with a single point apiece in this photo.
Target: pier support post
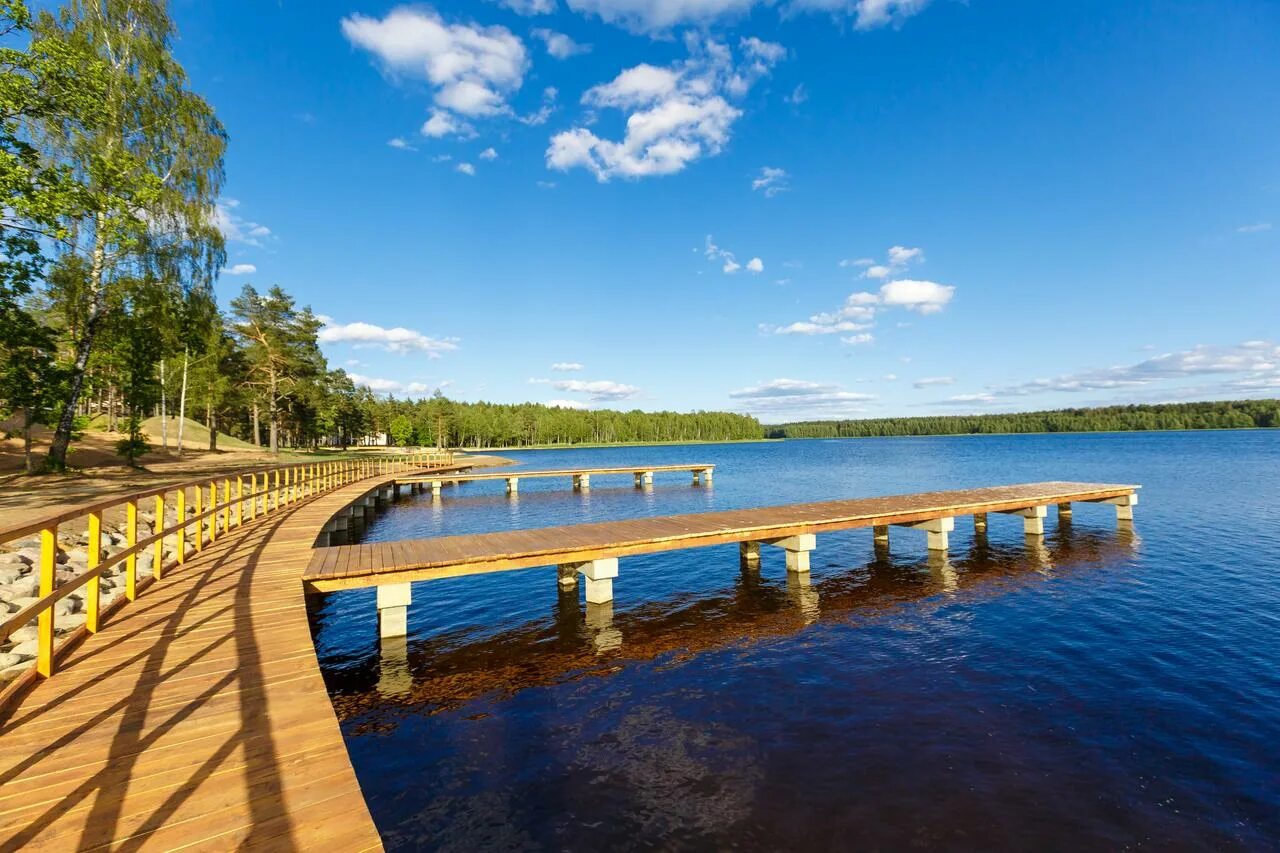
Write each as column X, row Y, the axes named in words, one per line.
column 436, row 486
column 980, row 523
column 1124, row 506
column 567, row 575
column 749, row 555
column 797, row 548
column 599, row 575
column 393, row 609
column 1064, row 512
column 1032, row 519
column 706, row 476
column 581, row 482
column 881, row 534
column 513, row 485
column 937, row 530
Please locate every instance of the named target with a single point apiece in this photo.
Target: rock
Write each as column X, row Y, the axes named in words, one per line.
column 30, row 555
column 78, row 555
column 26, row 649
column 64, row 606
column 8, row 659
column 70, row 622
column 14, row 560
column 21, row 603
column 8, row 575
column 14, row 671
column 23, row 634
column 23, row 587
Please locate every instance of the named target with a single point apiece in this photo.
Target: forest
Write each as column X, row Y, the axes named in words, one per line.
column 1236, row 414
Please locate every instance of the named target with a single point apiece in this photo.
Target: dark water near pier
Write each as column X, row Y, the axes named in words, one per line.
column 1113, row 688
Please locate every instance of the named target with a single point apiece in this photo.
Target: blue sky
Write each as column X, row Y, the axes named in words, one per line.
column 802, row 208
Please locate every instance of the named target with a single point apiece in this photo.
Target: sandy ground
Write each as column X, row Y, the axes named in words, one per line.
column 97, row 472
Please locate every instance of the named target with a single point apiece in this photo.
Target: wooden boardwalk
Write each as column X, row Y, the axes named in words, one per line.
column 196, row 718
column 580, row 477
column 373, row 564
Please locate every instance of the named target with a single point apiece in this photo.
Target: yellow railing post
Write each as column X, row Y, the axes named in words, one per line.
column 226, row 505
column 213, row 511
column 157, row 528
column 240, row 500
column 131, row 539
column 182, row 523
column 93, row 589
column 276, row 489
column 199, row 531
column 44, row 625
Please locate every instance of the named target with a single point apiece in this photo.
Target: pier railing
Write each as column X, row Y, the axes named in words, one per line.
column 202, row 511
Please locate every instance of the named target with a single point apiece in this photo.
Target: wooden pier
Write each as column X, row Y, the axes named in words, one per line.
column 579, row 477
column 593, row 550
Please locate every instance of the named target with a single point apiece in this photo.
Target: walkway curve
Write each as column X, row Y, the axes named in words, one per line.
column 196, row 718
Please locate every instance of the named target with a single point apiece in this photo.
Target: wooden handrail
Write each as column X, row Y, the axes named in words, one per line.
column 283, row 485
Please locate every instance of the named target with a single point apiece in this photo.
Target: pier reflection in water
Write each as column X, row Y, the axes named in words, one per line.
column 577, row 639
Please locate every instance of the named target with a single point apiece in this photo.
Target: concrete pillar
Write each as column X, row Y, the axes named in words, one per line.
column 980, row 523
column 639, row 479
column 749, row 555
column 513, row 485
column 937, row 528
column 567, row 575
column 599, row 622
column 1064, row 512
column 436, row 486
column 797, row 548
column 599, row 575
column 706, row 476
column 1033, row 519
column 581, row 482
column 647, row 478
column 1124, row 506
column 393, row 609
column 881, row 534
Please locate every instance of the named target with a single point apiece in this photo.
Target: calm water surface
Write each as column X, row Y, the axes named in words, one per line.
column 1112, row 688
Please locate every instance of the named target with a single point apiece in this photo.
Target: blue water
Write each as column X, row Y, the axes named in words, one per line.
column 1112, row 688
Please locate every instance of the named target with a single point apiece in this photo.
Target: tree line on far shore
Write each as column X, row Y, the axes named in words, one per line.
column 1231, row 414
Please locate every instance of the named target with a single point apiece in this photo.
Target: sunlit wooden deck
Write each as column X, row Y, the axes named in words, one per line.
column 374, row 564
column 196, row 717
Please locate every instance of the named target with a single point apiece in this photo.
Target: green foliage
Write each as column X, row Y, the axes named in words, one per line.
column 1166, row 416
column 401, row 430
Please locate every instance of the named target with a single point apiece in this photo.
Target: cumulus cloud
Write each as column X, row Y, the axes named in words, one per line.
column 926, row 297
column 488, row 154
column 729, row 264
column 465, row 168
column 235, row 228
column 771, row 181
column 241, row 269
column 797, row 398
column 898, row 258
column 1255, row 364
column 397, row 339
column 597, row 390
column 472, row 69
column 401, row 144
column 676, row 114
column 560, row 45
column 566, row 366
column 658, row 16
column 566, row 404
column 389, row 386
column 530, row 7
column 931, row 381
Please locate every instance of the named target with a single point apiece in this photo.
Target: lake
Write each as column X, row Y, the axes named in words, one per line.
column 1110, row 688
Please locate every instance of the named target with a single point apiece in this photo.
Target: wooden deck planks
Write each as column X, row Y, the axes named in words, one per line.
column 451, row 556
column 197, row 717
column 553, row 472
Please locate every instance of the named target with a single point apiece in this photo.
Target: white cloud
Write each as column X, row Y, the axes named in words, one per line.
column 441, row 123
column 566, row 366
column 798, row 95
column 241, row 269
column 930, row 381
column 657, row 16
column 897, row 260
column 1256, row 228
column 598, row 390
column 729, row 263
column 1256, row 364
column 401, row 144
column 391, row 386
column 676, row 114
column 236, row 229
column 926, row 297
column 471, row 68
column 566, row 404
column 397, row 339
column 560, row 45
column 855, row 340
column 465, row 168
column 860, row 262
column 546, row 185
column 799, row 398
column 488, row 154
column 771, row 181
column 530, row 7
